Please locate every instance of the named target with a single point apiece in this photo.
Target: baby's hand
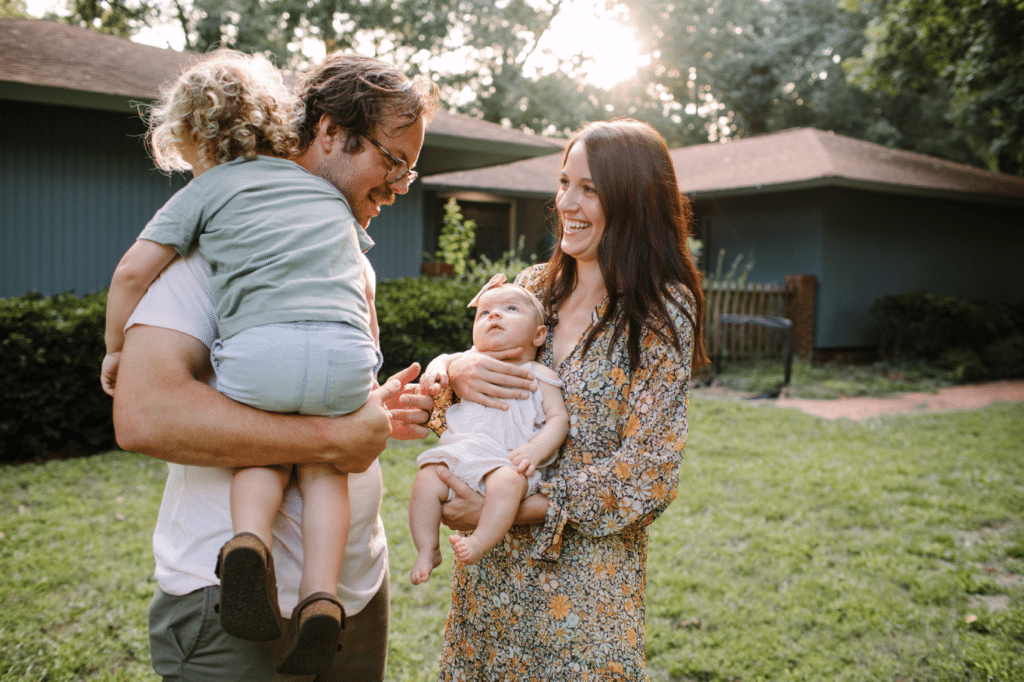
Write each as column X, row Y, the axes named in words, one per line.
column 434, row 380
column 521, row 460
column 108, row 372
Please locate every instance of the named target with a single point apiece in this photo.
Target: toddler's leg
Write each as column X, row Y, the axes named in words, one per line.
column 256, row 494
column 504, row 488
column 428, row 494
column 248, row 590
column 325, row 522
column 316, row 623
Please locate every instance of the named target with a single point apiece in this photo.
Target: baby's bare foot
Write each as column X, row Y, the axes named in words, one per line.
column 467, row 548
column 424, row 566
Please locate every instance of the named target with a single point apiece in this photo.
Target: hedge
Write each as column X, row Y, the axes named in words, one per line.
column 50, row 354
column 973, row 340
column 421, row 318
column 51, row 349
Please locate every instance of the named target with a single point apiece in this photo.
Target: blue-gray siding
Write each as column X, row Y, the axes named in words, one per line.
column 864, row 245
column 76, row 186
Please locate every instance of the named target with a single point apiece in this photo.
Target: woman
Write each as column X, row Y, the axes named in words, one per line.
column 563, row 597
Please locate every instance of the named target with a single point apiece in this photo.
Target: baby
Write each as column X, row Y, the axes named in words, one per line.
column 499, row 453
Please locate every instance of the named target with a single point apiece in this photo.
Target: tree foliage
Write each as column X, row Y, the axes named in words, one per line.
column 969, row 51
column 760, row 66
column 940, row 77
column 116, row 17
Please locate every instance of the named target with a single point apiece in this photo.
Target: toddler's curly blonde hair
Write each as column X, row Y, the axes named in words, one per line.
column 228, row 105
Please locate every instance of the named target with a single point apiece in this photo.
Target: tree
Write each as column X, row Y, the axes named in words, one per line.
column 758, row 66
column 116, row 17
column 971, row 52
column 754, row 65
column 13, row 8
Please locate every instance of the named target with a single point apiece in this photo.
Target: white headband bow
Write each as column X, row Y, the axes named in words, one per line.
column 500, row 280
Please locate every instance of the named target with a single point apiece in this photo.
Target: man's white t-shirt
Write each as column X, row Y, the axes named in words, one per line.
column 195, row 516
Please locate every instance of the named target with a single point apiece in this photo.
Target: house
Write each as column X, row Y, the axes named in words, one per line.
column 863, row 219
column 77, row 186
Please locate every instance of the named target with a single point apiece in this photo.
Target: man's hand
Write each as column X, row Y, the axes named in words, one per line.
column 462, row 512
column 489, row 380
column 408, row 407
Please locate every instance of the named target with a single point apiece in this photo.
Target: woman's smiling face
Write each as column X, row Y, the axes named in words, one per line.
column 579, row 208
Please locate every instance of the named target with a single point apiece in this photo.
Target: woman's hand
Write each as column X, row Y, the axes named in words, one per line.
column 485, row 378
column 462, row 512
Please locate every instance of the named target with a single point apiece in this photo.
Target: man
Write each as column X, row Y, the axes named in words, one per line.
column 362, row 132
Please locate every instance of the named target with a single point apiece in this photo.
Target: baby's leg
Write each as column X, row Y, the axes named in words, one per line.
column 428, row 494
column 504, row 488
column 325, row 522
column 256, row 494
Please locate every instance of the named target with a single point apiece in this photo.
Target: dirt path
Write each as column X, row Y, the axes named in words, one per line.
column 952, row 398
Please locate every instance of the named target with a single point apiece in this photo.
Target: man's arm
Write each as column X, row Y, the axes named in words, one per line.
column 164, row 408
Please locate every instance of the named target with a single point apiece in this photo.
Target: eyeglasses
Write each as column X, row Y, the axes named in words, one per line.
column 400, row 176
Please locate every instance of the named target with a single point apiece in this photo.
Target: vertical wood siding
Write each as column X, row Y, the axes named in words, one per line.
column 76, row 187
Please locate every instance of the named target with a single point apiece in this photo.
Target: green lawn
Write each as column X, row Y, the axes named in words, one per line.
column 798, row 549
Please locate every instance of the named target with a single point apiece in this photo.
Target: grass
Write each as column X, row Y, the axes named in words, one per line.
column 798, row 549
column 829, row 380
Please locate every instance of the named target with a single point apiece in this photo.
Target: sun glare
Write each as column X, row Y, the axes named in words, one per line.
column 585, row 27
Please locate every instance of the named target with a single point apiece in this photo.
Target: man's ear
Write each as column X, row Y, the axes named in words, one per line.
column 540, row 336
column 327, row 133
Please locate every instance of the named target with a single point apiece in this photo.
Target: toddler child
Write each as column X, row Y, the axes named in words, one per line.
column 292, row 292
column 499, row 453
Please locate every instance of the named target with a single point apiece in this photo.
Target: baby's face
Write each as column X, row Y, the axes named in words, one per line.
column 506, row 318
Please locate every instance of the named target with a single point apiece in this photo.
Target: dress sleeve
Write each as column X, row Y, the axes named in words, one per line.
column 633, row 486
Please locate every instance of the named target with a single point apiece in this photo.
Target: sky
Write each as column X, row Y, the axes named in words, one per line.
column 582, row 26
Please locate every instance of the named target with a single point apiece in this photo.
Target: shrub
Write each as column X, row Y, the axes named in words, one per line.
column 973, row 340
column 423, row 317
column 50, row 354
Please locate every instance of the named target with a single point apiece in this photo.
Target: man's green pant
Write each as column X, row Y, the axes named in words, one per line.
column 187, row 643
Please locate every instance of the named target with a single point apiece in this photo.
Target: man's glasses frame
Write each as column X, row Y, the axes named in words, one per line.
column 400, row 175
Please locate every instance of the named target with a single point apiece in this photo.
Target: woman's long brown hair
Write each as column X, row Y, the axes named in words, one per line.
column 643, row 249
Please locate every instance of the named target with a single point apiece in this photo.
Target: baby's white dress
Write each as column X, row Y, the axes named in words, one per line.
column 479, row 439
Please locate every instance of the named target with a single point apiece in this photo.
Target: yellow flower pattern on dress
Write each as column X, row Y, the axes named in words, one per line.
column 571, row 592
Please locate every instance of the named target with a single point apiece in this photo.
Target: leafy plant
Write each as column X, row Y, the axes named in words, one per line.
column 457, row 237
column 738, row 270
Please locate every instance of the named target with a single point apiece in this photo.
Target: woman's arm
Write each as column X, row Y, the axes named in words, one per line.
column 462, row 512
column 545, row 443
column 634, row 483
column 487, row 379
column 165, row 409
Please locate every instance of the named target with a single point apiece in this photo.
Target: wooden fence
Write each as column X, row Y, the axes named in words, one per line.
column 740, row 341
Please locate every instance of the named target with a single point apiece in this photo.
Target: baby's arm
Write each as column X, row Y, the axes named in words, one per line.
column 139, row 266
column 526, row 458
column 435, row 376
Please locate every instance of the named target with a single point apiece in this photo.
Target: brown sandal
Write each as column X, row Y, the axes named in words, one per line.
column 313, row 633
column 248, row 590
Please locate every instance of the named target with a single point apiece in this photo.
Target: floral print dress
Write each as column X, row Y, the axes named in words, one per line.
column 566, row 600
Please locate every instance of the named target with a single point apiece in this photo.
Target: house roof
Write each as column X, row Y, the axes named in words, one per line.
column 56, row 63
column 794, row 159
